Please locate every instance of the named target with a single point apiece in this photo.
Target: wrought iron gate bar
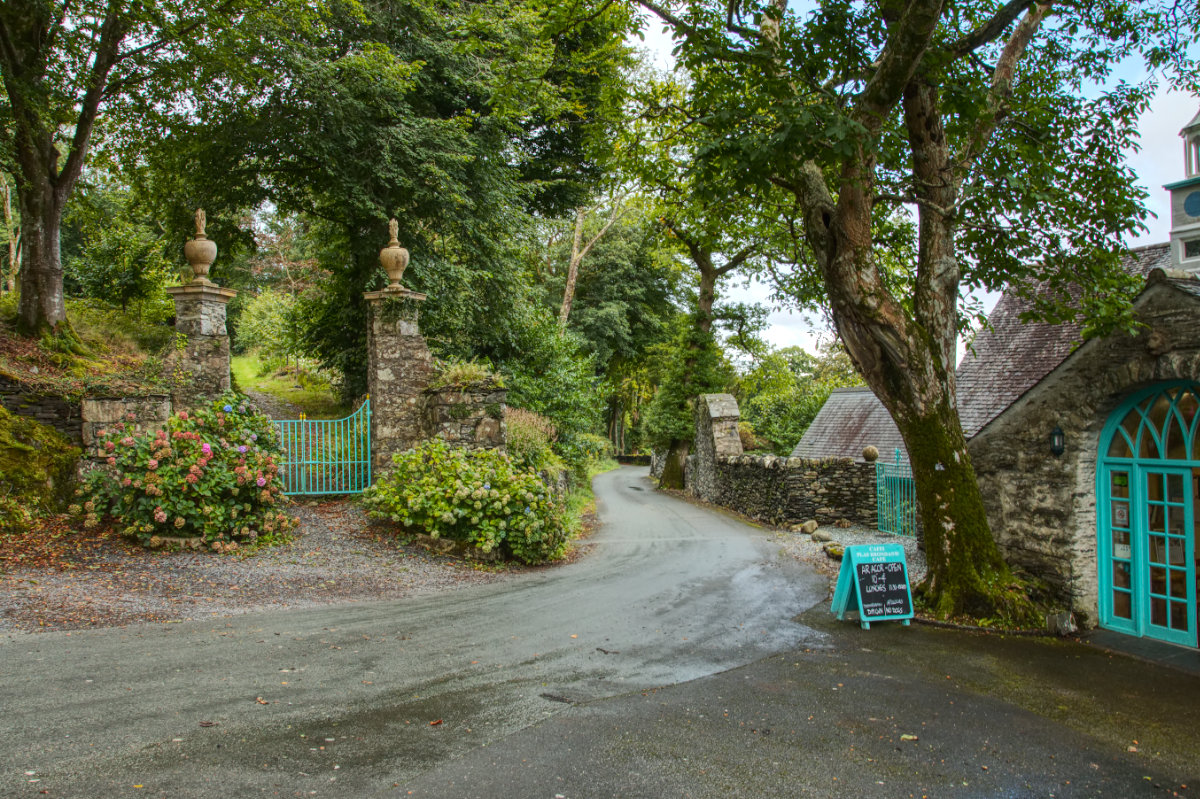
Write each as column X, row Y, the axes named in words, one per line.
column 895, row 498
column 327, row 456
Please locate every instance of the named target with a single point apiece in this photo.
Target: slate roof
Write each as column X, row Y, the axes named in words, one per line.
column 1009, row 358
column 849, row 421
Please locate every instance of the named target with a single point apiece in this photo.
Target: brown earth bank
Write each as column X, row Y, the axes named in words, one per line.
column 66, row 579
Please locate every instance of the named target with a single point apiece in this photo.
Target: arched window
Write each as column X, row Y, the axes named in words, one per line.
column 1148, row 514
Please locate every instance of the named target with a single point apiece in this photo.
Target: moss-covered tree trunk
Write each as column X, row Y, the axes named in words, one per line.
column 675, row 465
column 41, row 309
column 966, row 573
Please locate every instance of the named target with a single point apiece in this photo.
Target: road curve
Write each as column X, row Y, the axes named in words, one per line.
column 347, row 700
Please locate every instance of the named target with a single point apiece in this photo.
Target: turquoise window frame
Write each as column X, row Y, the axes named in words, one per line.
column 1138, row 470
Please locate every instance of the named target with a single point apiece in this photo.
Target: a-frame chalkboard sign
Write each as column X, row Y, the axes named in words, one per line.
column 874, row 581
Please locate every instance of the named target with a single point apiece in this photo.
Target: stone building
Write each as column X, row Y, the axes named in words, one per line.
column 1087, row 452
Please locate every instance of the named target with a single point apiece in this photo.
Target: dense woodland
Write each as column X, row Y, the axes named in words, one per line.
column 575, row 216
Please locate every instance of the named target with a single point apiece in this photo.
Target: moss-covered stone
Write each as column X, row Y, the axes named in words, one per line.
column 37, row 470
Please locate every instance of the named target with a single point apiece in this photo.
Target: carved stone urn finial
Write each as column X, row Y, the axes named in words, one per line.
column 394, row 258
column 200, row 252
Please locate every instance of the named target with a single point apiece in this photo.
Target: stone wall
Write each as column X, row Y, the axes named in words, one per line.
column 147, row 414
column 785, row 491
column 467, row 416
column 61, row 413
column 775, row 490
column 1042, row 508
column 716, row 420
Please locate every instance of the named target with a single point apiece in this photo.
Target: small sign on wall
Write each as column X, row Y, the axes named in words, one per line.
column 874, row 581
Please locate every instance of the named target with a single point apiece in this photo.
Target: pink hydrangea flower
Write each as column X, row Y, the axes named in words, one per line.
column 127, row 441
column 192, row 478
column 160, row 515
column 183, row 415
column 112, row 461
column 152, row 463
column 262, row 481
column 206, row 448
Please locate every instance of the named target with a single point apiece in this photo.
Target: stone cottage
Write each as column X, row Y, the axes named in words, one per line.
column 1088, row 454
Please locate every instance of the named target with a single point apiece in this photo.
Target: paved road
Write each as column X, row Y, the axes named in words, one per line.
column 349, row 700
column 682, row 658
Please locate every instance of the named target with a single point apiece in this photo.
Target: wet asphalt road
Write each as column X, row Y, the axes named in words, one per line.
column 681, row 658
column 670, row 593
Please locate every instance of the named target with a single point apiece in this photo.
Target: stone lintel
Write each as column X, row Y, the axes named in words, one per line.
column 197, row 290
column 394, row 292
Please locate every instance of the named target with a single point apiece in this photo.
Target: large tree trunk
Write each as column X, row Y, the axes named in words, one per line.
column 673, row 470
column 908, row 358
column 41, row 309
column 43, row 185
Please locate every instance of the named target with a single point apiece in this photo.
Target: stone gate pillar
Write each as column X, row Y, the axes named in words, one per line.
column 399, row 364
column 197, row 369
column 716, row 417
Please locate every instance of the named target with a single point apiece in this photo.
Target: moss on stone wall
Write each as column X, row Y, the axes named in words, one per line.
column 37, row 470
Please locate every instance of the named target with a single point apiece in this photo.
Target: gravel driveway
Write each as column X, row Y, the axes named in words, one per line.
column 336, row 556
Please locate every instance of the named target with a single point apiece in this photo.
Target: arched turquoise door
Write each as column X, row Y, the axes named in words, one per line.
column 1148, row 514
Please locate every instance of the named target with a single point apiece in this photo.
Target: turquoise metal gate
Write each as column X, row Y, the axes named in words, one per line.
column 895, row 498
column 327, row 456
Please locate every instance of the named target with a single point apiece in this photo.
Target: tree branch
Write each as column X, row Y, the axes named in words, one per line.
column 1002, row 85
column 992, row 29
column 907, row 42
column 112, row 32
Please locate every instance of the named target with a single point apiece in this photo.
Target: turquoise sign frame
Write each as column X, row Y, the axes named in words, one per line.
column 878, row 570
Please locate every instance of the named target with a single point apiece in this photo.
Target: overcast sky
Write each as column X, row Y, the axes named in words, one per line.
column 1160, row 161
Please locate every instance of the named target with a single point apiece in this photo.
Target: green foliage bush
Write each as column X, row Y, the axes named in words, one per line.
column 478, row 496
column 464, row 373
column 212, row 473
column 780, row 418
column 580, row 451
column 693, row 366
column 269, row 324
column 530, row 440
column 554, row 377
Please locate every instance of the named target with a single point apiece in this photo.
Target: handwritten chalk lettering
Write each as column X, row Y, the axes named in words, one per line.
column 883, row 588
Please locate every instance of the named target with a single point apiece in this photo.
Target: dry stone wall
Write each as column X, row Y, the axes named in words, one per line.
column 775, row 490
column 61, row 413
column 467, row 416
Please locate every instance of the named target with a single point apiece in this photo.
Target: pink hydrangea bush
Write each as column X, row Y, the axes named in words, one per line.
column 212, row 473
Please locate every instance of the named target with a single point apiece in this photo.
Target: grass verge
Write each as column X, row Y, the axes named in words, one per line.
column 316, row 401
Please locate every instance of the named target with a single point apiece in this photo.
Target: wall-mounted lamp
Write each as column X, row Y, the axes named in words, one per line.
column 1058, row 441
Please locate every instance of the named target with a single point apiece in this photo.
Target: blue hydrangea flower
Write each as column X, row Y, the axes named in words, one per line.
column 228, row 409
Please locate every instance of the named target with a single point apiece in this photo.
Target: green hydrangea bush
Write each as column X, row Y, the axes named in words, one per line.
column 477, row 496
column 211, row 474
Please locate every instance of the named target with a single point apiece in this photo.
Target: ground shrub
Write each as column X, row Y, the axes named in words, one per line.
column 211, row 473
column 458, row 374
column 477, row 496
column 37, row 471
column 530, row 440
column 582, row 451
